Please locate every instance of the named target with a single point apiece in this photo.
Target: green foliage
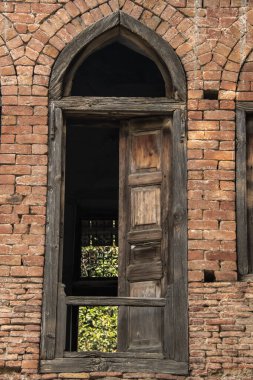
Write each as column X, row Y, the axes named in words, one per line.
column 97, row 328
column 99, row 261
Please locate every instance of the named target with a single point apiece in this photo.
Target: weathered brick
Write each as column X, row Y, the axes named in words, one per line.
column 212, row 39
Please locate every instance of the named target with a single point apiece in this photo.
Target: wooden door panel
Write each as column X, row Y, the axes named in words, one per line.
column 145, row 271
column 145, row 151
column 145, row 336
column 146, row 162
column 145, row 253
column 145, row 207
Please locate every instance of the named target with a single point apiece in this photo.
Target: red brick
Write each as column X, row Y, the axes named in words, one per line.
column 219, row 115
column 219, row 155
column 203, row 125
column 25, row 271
column 226, row 276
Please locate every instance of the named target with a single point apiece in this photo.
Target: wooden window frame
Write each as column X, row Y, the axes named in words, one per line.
column 54, row 359
column 62, row 106
column 242, row 110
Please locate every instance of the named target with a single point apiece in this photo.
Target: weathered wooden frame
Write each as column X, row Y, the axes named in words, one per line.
column 242, row 109
column 118, row 26
column 53, row 357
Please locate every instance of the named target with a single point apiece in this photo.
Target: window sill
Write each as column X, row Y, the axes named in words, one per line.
column 115, row 362
column 247, row 278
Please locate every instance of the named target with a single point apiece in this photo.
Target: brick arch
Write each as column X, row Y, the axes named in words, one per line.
column 170, row 23
column 148, row 41
column 62, row 27
column 245, row 79
column 8, row 37
column 236, row 44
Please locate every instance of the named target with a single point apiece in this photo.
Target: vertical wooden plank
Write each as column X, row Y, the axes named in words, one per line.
column 48, row 335
column 166, row 190
column 123, row 206
column 176, row 310
column 61, row 321
column 241, row 193
column 145, row 324
column 147, row 204
column 249, row 190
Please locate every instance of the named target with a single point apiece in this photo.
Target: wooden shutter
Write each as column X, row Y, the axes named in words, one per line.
column 144, row 206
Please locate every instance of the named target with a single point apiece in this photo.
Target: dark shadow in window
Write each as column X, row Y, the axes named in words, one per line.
column 117, row 70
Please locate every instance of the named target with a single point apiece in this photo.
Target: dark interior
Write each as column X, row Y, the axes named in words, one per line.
column 92, row 164
column 91, row 190
column 116, row 70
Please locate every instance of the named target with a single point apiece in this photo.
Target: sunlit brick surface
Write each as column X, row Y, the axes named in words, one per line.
column 214, row 40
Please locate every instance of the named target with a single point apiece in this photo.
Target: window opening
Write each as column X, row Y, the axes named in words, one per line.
column 99, row 248
column 151, row 291
column 117, row 70
column 97, row 328
column 91, row 269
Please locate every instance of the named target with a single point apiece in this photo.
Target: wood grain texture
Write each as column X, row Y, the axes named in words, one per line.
column 61, row 321
column 245, row 106
column 129, row 31
column 90, row 354
column 241, row 193
column 145, row 325
column 114, row 301
column 145, row 178
column 115, row 364
column 117, row 107
column 145, row 236
column 145, row 151
column 144, row 155
column 176, row 310
column 52, row 240
column 249, row 189
column 145, row 207
column 145, row 271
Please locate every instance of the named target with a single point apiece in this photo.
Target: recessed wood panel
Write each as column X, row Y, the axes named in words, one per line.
column 144, row 253
column 145, row 289
column 145, row 336
column 145, row 271
column 145, row 206
column 146, row 151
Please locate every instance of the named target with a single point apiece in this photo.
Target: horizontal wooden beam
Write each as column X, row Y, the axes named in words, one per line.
column 99, row 354
column 117, row 106
column 246, row 106
column 114, row 364
column 115, row 301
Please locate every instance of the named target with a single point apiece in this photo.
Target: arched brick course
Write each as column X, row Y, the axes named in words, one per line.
column 213, row 39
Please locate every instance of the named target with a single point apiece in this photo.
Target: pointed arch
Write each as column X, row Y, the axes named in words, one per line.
column 162, row 120
column 118, row 26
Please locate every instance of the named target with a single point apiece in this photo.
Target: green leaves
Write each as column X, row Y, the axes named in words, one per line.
column 99, row 261
column 97, row 329
column 97, row 326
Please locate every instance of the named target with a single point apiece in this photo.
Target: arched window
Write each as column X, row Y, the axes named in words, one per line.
column 117, row 194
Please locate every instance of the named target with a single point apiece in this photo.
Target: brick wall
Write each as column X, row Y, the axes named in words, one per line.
column 213, row 39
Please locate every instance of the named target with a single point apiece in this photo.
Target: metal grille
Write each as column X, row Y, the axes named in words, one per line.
column 99, row 250
column 99, row 232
